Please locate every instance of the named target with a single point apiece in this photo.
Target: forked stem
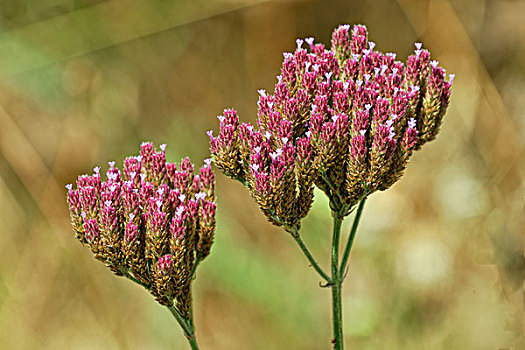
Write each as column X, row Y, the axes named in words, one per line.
column 338, row 267
column 351, row 237
column 297, row 237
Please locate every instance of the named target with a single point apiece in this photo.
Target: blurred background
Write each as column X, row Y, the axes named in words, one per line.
column 438, row 260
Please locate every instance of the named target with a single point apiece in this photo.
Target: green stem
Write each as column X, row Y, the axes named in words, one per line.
column 295, row 234
column 193, row 343
column 337, row 315
column 351, row 237
column 129, row 276
column 194, row 269
column 186, row 325
column 336, row 197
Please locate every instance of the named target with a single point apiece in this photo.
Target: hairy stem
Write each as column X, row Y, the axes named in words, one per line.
column 351, row 237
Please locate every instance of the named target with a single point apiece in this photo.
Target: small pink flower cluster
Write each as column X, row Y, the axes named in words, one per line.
column 150, row 221
column 346, row 119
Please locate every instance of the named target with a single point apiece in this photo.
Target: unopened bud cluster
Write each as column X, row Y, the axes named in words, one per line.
column 151, row 220
column 346, row 119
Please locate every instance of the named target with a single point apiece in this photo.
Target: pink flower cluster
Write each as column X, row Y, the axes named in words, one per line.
column 151, row 220
column 345, row 118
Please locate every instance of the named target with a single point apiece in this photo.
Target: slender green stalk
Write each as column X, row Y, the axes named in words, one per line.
column 186, row 325
column 337, row 314
column 294, row 231
column 351, row 237
column 197, row 262
column 309, row 256
column 337, row 269
column 193, row 343
column 126, row 274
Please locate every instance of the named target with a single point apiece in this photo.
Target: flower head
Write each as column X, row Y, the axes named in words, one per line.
column 150, row 220
column 350, row 116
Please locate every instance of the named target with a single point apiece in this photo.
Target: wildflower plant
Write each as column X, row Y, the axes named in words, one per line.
column 345, row 119
column 153, row 223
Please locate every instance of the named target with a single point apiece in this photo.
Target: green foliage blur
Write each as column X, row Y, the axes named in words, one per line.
column 438, row 259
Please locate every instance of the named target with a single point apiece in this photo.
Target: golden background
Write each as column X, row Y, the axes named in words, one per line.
column 438, row 261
